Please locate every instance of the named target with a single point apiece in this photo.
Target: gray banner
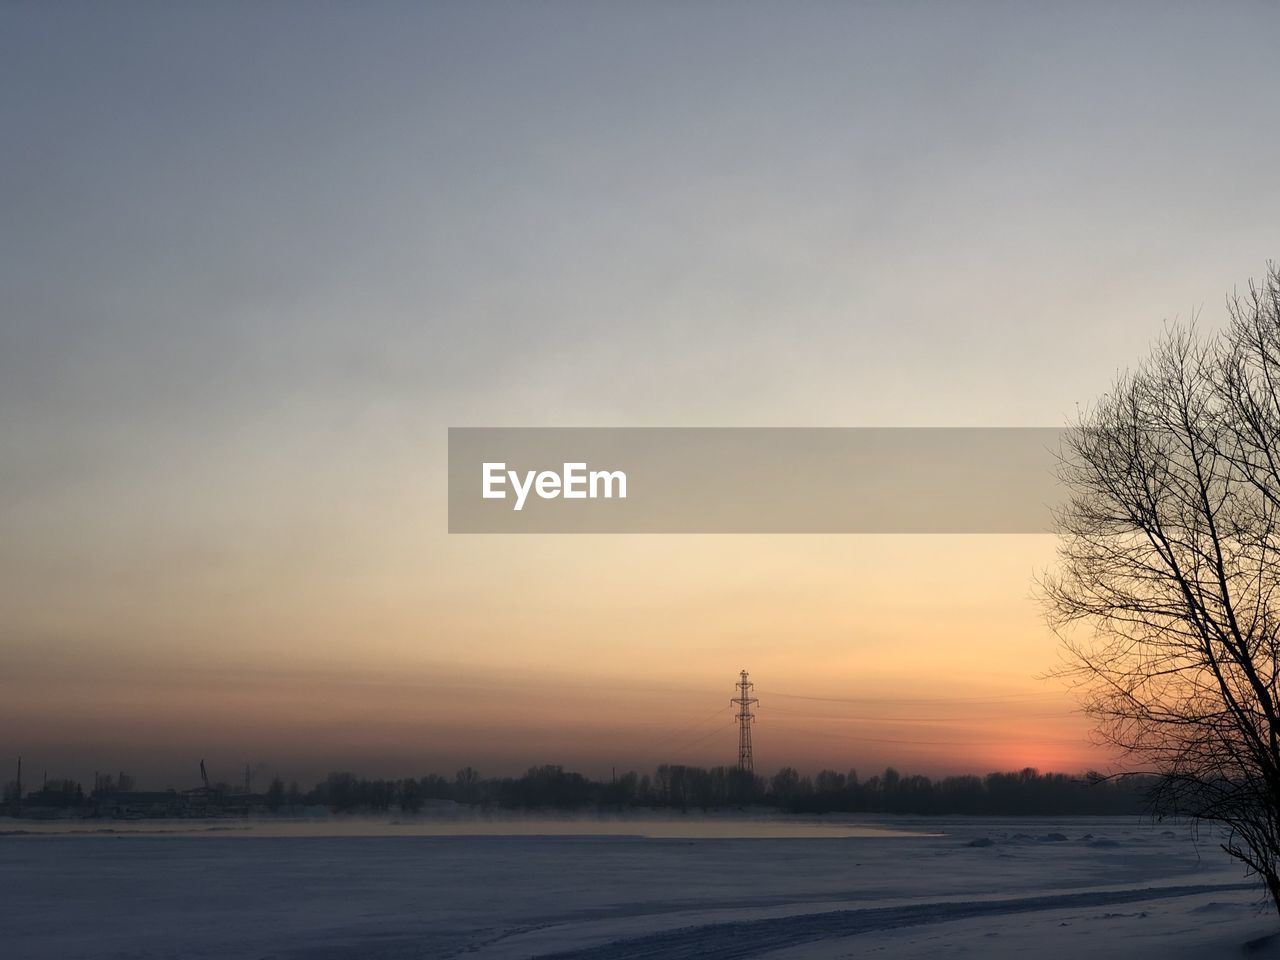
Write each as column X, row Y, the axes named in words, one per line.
column 752, row 480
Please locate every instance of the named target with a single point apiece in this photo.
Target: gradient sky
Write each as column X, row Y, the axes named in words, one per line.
column 256, row 258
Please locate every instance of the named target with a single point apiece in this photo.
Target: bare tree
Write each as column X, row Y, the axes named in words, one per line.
column 1170, row 553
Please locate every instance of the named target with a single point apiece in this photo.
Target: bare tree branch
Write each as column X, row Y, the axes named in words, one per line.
column 1169, row 571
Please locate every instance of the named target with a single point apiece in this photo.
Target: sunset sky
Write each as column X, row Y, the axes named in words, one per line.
column 257, row 259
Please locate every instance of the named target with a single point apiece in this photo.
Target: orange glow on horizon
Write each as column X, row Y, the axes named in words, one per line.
column 918, row 652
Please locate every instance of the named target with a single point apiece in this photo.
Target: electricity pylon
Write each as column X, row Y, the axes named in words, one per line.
column 744, row 702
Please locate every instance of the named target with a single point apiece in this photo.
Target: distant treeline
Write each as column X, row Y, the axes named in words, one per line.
column 669, row 787
column 683, row 787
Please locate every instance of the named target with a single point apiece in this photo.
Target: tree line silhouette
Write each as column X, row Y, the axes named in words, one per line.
column 670, row 786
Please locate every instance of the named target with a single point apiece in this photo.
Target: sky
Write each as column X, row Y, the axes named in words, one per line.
column 256, row 259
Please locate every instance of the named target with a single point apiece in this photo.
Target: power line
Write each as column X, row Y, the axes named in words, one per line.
column 690, row 725
column 683, row 749
column 688, row 735
column 846, row 718
column 853, row 738
column 912, row 701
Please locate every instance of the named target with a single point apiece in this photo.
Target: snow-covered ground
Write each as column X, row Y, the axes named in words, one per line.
column 612, row 890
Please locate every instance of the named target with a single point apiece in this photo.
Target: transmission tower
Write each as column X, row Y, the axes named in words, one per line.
column 744, row 701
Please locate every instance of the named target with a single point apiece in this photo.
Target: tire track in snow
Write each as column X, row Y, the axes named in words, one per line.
column 749, row 938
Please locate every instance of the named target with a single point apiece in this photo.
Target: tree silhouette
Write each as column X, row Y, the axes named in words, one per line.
column 1169, row 552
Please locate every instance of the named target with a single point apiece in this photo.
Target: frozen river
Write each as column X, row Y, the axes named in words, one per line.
column 617, row 889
